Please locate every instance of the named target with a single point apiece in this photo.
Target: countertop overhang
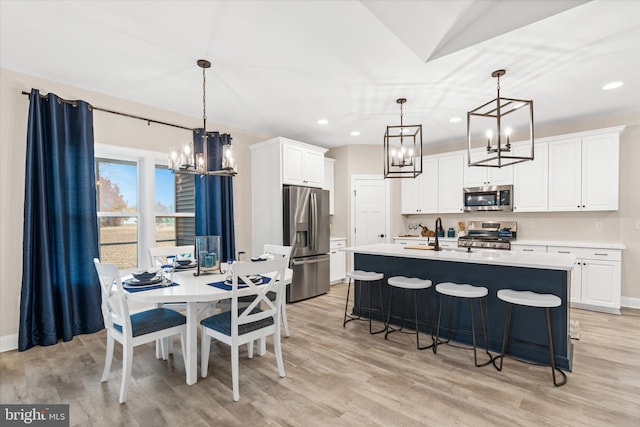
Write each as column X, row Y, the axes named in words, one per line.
column 541, row 260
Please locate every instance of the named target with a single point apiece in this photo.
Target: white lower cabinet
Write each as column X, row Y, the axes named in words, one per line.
column 596, row 278
column 337, row 261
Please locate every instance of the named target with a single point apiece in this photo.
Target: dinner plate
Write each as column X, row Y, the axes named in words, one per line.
column 186, row 266
column 254, row 279
column 133, row 282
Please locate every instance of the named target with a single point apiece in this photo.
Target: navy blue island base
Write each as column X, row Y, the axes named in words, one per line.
column 527, row 323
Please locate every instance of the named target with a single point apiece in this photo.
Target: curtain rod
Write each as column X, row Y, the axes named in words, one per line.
column 149, row 121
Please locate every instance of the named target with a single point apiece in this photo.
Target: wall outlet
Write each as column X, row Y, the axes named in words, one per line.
column 599, row 225
column 532, row 225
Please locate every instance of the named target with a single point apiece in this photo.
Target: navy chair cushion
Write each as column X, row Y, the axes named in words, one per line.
column 221, row 322
column 154, row 320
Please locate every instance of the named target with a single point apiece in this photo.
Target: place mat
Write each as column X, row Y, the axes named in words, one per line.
column 133, row 289
column 132, row 282
column 227, row 287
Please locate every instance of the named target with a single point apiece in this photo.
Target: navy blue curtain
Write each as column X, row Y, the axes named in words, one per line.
column 214, row 196
column 60, row 295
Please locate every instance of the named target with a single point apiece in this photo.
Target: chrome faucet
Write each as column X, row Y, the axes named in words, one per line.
column 438, row 228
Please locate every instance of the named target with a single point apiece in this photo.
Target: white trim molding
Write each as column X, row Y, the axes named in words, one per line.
column 630, row 302
column 8, row 343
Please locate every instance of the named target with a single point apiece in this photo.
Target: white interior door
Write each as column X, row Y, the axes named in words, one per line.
column 370, row 216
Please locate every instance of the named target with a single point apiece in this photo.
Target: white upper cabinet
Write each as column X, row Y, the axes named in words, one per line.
column 329, row 182
column 450, row 183
column 275, row 162
column 583, row 172
column 477, row 176
column 565, row 175
column 600, row 171
column 419, row 195
column 530, row 179
column 302, row 164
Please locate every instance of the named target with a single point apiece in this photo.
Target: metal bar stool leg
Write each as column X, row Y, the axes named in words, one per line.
column 484, row 334
column 415, row 303
column 346, row 306
column 505, row 337
column 435, row 346
column 386, row 333
column 473, row 333
column 349, row 317
column 371, row 331
column 553, row 360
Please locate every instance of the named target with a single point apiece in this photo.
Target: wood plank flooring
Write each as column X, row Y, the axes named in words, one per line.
column 340, row 377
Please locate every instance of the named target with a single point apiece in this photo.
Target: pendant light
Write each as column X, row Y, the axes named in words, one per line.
column 403, row 149
column 496, row 121
column 186, row 160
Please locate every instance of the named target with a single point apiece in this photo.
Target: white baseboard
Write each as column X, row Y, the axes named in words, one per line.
column 630, row 302
column 8, row 343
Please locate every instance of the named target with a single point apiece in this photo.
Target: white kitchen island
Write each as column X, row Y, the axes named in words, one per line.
column 494, row 269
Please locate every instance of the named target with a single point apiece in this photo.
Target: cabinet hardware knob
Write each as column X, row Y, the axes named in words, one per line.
column 601, row 254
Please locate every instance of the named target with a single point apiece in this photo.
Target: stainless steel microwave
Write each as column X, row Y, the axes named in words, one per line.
column 490, row 198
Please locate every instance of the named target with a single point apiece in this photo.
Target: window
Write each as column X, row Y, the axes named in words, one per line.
column 174, row 207
column 140, row 204
column 117, row 211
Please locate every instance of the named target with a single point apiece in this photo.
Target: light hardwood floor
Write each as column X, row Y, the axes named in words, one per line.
column 340, row 377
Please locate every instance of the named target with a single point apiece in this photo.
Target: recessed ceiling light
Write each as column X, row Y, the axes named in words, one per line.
column 323, row 121
column 455, row 119
column 355, row 133
column 612, row 85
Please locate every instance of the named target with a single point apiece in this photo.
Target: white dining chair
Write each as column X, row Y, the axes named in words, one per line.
column 159, row 256
column 256, row 321
column 132, row 330
column 283, row 251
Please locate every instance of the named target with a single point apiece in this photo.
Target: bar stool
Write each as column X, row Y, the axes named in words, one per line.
column 470, row 292
column 364, row 277
column 415, row 284
column 529, row 299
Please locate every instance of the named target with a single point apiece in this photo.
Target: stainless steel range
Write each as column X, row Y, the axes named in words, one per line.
column 489, row 235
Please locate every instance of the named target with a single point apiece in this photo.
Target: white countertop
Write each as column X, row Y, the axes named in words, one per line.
column 541, row 260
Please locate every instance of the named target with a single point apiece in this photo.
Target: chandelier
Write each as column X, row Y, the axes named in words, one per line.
column 496, row 121
column 186, row 160
column 403, row 149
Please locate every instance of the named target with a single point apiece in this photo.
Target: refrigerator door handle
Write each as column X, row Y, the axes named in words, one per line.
column 310, row 261
column 313, row 221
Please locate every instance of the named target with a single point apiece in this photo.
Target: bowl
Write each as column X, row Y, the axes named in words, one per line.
column 144, row 275
column 183, row 262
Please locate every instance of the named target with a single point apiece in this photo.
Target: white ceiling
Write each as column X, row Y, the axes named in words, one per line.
column 279, row 66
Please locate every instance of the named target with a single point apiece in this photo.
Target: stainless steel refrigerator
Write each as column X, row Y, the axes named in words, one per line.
column 306, row 230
